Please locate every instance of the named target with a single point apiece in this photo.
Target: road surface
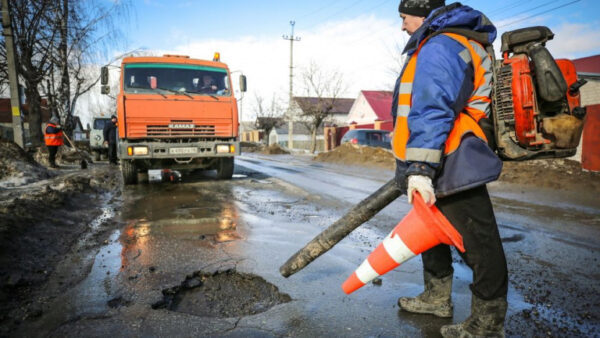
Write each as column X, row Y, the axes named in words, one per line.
column 202, row 257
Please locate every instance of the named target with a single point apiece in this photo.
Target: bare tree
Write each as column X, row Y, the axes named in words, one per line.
column 324, row 88
column 57, row 43
column 35, row 38
column 268, row 116
column 86, row 28
column 398, row 60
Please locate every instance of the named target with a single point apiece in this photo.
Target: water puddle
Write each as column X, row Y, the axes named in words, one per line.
column 222, row 294
column 95, row 290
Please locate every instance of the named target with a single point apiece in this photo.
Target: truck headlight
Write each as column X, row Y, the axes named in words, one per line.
column 137, row 151
column 225, row 148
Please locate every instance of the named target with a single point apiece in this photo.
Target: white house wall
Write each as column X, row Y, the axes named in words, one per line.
column 361, row 111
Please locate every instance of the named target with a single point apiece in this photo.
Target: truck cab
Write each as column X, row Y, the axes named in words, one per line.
column 178, row 113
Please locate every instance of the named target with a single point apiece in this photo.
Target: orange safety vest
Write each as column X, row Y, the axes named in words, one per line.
column 466, row 121
column 55, row 139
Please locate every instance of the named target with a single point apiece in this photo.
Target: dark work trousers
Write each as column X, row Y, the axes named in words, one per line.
column 472, row 215
column 112, row 152
column 52, row 150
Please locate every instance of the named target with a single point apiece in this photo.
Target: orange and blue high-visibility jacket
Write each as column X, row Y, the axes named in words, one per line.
column 441, row 95
column 53, row 136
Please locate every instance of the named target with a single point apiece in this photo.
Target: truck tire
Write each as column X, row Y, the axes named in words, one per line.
column 225, row 168
column 129, row 171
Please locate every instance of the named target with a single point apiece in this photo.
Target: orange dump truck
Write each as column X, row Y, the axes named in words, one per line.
column 178, row 113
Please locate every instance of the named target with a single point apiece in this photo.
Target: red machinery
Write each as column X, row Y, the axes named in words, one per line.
column 536, row 99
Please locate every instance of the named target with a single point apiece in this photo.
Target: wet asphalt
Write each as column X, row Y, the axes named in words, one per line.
column 170, row 234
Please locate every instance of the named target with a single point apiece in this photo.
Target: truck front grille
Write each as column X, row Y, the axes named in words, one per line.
column 167, row 131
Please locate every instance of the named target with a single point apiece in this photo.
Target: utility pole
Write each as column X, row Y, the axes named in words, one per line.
column 291, row 38
column 15, row 102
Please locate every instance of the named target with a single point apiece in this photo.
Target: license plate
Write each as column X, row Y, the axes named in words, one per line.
column 189, row 150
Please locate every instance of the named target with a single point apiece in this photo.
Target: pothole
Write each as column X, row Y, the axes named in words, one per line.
column 222, row 294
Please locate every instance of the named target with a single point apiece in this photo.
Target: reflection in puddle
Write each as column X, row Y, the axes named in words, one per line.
column 206, row 214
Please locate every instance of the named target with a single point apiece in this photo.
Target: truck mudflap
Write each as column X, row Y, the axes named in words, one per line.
column 188, row 150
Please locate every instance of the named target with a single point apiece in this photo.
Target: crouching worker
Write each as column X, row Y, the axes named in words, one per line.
column 441, row 106
column 53, row 137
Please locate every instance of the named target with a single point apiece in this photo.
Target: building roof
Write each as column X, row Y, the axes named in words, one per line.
column 381, row 103
column 590, row 64
column 340, row 105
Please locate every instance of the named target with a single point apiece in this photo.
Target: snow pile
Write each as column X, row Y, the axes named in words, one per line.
column 18, row 167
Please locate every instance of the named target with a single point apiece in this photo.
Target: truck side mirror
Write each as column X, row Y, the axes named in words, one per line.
column 243, row 83
column 104, row 75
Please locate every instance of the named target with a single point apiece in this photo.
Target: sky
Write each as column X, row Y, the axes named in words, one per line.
column 361, row 39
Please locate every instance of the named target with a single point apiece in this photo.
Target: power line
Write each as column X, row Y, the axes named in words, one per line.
column 510, row 6
column 320, row 9
column 538, row 14
column 343, row 10
column 534, row 8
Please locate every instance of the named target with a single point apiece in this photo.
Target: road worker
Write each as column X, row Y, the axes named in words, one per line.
column 53, row 137
column 110, row 139
column 441, row 111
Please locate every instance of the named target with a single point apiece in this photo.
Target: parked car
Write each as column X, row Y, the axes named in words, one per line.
column 368, row 137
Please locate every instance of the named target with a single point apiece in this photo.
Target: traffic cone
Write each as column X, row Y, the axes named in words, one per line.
column 423, row 228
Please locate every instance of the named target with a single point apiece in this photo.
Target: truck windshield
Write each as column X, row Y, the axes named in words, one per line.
column 189, row 79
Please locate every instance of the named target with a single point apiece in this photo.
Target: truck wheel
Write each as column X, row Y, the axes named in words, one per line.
column 225, row 168
column 96, row 156
column 129, row 171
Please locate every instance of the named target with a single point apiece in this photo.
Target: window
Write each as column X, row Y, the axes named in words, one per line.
column 99, row 123
column 177, row 78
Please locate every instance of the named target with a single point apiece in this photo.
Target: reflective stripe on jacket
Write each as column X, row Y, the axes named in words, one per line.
column 478, row 105
column 443, row 91
column 53, row 138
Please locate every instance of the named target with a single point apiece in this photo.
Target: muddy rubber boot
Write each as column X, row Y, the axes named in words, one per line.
column 486, row 320
column 435, row 300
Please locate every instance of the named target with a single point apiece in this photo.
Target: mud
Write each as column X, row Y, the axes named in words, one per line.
column 39, row 223
column 222, row 294
column 557, row 174
column 18, row 167
column 273, row 149
column 353, row 154
column 65, row 155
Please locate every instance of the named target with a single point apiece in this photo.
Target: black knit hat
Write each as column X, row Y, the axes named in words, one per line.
column 420, row 7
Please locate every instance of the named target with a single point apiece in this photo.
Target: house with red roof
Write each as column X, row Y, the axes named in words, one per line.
column 371, row 106
column 588, row 68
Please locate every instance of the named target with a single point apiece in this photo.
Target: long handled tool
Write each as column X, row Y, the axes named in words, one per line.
column 358, row 215
column 83, row 162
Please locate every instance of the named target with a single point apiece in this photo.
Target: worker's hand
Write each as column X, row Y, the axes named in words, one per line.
column 105, row 143
column 424, row 186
